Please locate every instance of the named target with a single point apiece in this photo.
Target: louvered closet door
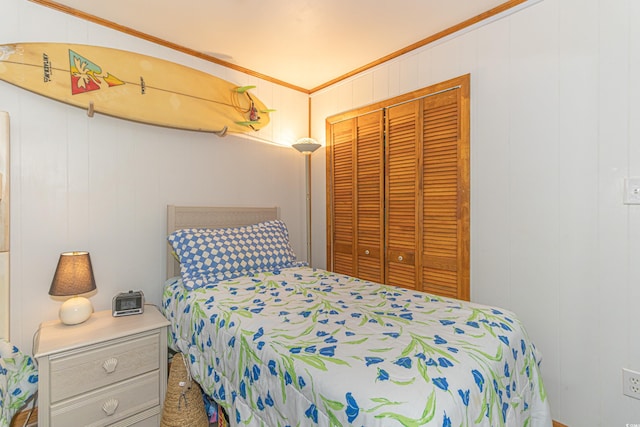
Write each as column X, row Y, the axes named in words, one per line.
column 421, row 222
column 440, row 216
column 369, row 197
column 342, row 203
column 402, row 194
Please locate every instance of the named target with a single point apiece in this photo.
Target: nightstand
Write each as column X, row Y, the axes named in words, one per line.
column 105, row 371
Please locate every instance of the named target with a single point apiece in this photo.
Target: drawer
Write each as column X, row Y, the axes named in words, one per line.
column 77, row 372
column 148, row 418
column 110, row 404
column 153, row 421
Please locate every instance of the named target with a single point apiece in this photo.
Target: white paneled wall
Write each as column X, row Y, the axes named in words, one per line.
column 555, row 127
column 102, row 184
column 555, row 124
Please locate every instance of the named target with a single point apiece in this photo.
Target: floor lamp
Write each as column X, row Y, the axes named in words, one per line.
column 307, row 146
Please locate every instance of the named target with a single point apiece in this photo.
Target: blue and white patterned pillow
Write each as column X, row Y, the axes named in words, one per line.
column 207, row 256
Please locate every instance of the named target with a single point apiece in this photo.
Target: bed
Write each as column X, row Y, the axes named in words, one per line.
column 18, row 381
column 277, row 343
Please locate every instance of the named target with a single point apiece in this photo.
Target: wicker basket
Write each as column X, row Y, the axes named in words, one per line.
column 183, row 405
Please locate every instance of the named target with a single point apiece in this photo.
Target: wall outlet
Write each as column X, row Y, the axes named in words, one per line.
column 631, row 383
column 632, row 191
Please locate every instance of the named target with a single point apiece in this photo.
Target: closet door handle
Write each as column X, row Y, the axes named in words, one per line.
column 366, row 252
column 400, row 258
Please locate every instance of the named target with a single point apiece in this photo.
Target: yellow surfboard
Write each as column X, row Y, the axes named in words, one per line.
column 132, row 86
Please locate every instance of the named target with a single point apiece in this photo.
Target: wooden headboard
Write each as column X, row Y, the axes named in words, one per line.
column 179, row 217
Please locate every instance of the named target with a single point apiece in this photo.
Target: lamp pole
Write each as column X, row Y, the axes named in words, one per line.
column 307, row 146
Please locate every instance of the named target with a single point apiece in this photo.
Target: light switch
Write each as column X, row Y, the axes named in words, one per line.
column 632, row 191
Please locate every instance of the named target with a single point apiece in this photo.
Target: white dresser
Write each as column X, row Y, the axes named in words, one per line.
column 105, row 371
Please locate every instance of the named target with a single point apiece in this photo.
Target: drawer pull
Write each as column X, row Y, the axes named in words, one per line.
column 400, row 258
column 109, row 407
column 110, row 365
column 366, row 252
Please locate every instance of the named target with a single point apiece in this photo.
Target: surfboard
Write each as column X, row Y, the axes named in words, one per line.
column 132, row 86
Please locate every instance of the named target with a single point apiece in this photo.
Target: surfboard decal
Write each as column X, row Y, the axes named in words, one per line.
column 6, row 51
column 86, row 76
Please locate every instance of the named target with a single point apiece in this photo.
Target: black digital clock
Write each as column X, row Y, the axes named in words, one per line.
column 128, row 303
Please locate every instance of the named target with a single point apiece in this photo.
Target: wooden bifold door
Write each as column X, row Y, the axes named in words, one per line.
column 398, row 191
column 357, row 196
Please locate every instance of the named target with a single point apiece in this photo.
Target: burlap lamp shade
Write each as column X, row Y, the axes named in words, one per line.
column 183, row 404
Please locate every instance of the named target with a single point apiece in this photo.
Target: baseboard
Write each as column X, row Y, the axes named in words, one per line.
column 20, row 419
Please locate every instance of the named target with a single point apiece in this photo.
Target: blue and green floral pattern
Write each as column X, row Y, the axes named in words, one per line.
column 305, row 347
column 18, row 381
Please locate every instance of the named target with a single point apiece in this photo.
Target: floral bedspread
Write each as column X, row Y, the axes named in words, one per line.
column 18, row 381
column 308, row 347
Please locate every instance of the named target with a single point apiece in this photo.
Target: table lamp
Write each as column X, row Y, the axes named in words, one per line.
column 74, row 276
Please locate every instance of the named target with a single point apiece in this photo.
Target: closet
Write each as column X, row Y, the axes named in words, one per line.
column 398, row 190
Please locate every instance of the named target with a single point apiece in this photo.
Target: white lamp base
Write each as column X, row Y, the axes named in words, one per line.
column 75, row 310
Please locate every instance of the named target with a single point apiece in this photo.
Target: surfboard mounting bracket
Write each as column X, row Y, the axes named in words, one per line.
column 221, row 132
column 90, row 109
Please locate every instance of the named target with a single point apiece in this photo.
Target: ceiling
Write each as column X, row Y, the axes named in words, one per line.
column 305, row 43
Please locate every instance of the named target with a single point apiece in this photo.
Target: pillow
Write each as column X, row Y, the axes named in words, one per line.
column 210, row 255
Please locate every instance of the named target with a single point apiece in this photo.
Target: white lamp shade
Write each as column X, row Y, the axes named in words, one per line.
column 306, row 145
column 75, row 310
